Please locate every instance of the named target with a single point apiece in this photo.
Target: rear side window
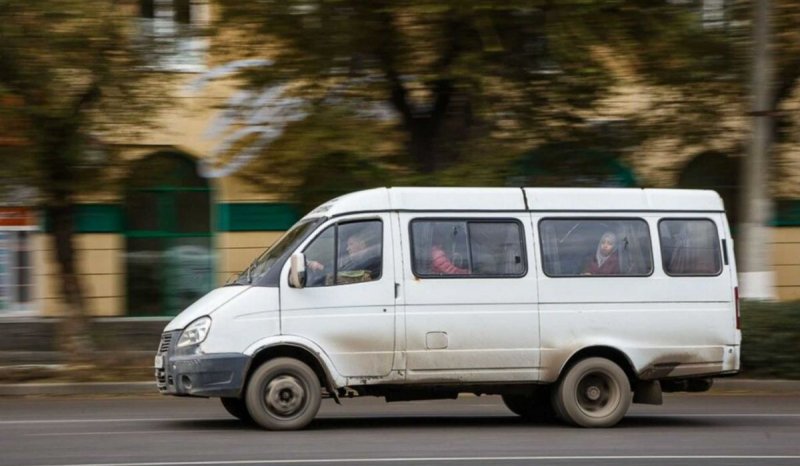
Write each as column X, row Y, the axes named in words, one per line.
column 573, row 247
column 467, row 248
column 690, row 247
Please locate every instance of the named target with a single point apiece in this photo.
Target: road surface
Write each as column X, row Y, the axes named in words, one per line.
column 149, row 431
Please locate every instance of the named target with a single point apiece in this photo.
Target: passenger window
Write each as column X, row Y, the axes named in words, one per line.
column 345, row 253
column 445, row 248
column 690, row 247
column 595, row 247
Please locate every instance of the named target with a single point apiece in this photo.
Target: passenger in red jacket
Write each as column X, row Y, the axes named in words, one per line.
column 440, row 263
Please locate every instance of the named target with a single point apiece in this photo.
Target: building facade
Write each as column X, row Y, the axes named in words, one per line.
column 182, row 222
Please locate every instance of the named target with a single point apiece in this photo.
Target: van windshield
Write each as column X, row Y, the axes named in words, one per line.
column 276, row 254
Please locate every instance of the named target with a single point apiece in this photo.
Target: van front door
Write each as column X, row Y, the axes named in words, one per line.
column 348, row 305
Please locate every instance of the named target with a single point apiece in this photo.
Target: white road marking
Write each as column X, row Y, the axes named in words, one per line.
column 451, row 459
column 88, row 421
column 371, row 415
column 126, row 432
column 716, row 415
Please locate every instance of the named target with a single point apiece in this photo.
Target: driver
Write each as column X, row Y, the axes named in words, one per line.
column 359, row 257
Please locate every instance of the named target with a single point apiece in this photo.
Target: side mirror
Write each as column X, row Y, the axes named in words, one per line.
column 297, row 270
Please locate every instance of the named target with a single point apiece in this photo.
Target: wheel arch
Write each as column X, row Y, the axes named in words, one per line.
column 615, row 355
column 295, row 351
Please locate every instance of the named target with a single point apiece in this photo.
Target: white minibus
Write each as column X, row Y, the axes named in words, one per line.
column 569, row 303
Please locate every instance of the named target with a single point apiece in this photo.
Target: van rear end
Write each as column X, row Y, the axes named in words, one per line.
column 711, row 293
column 732, row 362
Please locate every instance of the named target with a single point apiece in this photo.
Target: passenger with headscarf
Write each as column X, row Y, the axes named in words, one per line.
column 606, row 259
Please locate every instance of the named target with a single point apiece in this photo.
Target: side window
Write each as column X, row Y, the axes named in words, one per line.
column 345, row 253
column 320, row 255
column 690, row 247
column 587, row 247
column 467, row 248
column 359, row 256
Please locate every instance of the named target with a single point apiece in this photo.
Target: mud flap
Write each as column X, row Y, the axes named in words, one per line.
column 648, row 392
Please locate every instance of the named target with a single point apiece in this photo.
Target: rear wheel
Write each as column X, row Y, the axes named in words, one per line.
column 236, row 408
column 283, row 394
column 595, row 392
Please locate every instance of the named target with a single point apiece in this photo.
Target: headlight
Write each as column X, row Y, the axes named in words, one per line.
column 195, row 332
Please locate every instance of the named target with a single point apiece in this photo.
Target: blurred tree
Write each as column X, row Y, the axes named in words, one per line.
column 453, row 72
column 336, row 173
column 68, row 77
column 571, row 164
column 786, row 51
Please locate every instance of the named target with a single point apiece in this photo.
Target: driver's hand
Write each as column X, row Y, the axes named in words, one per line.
column 314, row 265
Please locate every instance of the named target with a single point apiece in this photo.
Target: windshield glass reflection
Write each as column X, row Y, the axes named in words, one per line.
column 287, row 243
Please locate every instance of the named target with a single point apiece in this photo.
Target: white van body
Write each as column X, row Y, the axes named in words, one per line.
column 521, row 330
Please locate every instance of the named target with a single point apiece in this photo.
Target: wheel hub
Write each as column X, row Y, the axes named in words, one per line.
column 593, row 393
column 597, row 393
column 284, row 395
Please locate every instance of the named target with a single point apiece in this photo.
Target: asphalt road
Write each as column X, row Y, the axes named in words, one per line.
column 150, row 431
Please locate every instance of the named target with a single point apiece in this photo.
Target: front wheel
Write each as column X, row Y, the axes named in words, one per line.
column 595, row 392
column 283, row 394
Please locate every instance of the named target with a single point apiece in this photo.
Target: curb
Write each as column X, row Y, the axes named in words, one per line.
column 721, row 386
column 772, row 386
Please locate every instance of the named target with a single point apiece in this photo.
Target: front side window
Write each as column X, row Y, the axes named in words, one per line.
column 345, row 253
column 690, row 247
column 595, row 247
column 452, row 248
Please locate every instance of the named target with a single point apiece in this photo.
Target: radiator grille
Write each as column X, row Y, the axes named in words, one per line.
column 166, row 338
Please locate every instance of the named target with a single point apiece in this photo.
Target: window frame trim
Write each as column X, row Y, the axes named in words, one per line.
column 717, row 242
column 13, row 306
column 641, row 219
column 468, row 220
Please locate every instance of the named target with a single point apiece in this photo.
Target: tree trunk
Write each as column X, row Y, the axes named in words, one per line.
column 420, row 145
column 435, row 136
column 435, row 133
column 74, row 334
column 756, row 277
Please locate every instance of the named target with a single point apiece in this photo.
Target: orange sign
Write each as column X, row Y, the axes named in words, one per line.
column 17, row 217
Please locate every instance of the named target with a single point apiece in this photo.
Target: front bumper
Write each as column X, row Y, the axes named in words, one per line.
column 205, row 375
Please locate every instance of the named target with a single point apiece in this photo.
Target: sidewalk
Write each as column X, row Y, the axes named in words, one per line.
column 724, row 386
column 79, row 389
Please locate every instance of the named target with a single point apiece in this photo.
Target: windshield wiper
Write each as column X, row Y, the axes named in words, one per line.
column 250, row 272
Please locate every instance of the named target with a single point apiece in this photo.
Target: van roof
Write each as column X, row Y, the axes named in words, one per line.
column 522, row 199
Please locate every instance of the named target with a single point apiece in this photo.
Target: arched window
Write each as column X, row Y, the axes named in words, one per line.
column 169, row 254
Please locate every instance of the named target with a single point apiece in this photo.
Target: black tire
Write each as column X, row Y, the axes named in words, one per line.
column 236, row 408
column 533, row 407
column 517, row 404
column 283, row 394
column 595, row 392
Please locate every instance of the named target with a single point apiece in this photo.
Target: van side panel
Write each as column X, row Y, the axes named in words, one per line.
column 469, row 329
column 667, row 326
